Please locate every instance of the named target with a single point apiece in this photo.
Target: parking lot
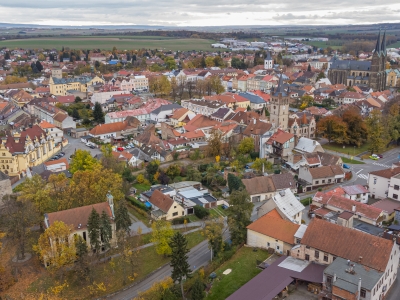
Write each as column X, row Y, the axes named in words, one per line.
column 76, row 144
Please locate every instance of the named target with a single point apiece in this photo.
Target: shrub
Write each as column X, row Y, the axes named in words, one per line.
column 137, row 203
column 180, row 220
column 201, row 212
column 306, row 201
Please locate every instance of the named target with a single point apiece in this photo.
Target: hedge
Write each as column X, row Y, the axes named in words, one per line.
column 137, row 203
column 180, row 220
column 306, row 201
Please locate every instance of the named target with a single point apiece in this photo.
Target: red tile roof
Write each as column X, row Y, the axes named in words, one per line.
column 348, row 243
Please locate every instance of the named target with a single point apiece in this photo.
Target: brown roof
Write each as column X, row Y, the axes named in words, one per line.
column 108, row 128
column 280, row 137
column 346, row 204
column 79, row 215
column 179, row 113
column 259, row 185
column 348, row 243
column 257, row 127
column 387, row 205
column 59, row 117
column 321, row 172
column 18, row 145
column 283, row 181
column 163, row 202
column 312, row 158
column 198, row 122
column 57, row 161
column 148, row 137
column 328, row 159
column 272, row 224
column 386, row 173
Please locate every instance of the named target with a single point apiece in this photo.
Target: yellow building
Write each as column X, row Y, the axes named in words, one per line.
column 60, row 86
column 392, row 78
column 24, row 149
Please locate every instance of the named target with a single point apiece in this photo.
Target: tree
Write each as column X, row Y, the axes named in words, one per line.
column 170, row 63
column 173, row 170
column 75, row 114
column 78, row 99
column 234, row 182
column 320, row 75
column 239, row 213
column 201, row 212
column 309, row 68
column 122, row 220
column 161, row 235
column 179, row 259
column 83, row 161
column 193, row 174
column 93, row 226
column 392, row 122
column 246, row 145
column 213, row 231
column 7, row 56
column 98, row 115
column 110, row 162
column 216, row 84
column 56, row 246
column 151, row 169
column 198, row 292
column 214, row 143
column 306, row 101
column 18, row 216
column 39, row 66
column 82, row 258
column 376, row 131
column 333, row 128
column 105, row 230
column 356, row 129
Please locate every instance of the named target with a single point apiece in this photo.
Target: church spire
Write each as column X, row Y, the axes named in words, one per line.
column 383, row 44
column 377, row 47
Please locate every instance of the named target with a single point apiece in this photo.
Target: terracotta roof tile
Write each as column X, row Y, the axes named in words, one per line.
column 348, row 243
column 386, row 173
column 271, row 224
column 259, row 185
column 163, row 202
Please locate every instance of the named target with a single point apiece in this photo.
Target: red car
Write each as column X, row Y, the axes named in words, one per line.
column 120, row 149
column 380, row 155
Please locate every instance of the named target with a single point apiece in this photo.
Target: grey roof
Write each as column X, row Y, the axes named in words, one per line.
column 82, row 79
column 377, row 46
column 283, row 181
column 252, row 98
column 280, row 90
column 166, row 107
column 351, row 65
column 383, row 44
column 268, row 56
column 349, row 282
column 367, row 228
column 221, row 113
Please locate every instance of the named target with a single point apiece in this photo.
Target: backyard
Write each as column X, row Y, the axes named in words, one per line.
column 243, row 266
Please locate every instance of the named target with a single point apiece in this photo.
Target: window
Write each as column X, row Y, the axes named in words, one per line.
column 326, row 257
column 307, row 257
column 329, row 279
column 323, row 181
column 175, row 214
column 363, row 293
column 298, row 241
column 277, row 247
column 316, row 254
column 268, row 244
column 316, row 182
column 374, row 180
column 396, row 187
column 84, row 235
column 395, row 196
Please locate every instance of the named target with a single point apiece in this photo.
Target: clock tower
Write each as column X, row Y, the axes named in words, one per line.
column 279, row 106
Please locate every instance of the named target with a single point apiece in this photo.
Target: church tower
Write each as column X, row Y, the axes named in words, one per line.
column 268, row 61
column 279, row 109
column 376, row 65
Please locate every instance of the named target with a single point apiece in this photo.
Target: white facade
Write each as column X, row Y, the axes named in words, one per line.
column 394, row 188
column 102, row 97
column 378, row 186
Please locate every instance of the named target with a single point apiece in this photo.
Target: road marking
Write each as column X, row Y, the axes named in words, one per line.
column 359, row 171
column 382, row 165
column 363, row 176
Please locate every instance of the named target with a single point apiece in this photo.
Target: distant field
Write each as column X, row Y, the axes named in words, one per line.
column 395, row 45
column 320, row 44
column 107, row 43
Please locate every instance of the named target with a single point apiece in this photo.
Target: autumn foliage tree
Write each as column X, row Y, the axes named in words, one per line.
column 356, row 129
column 376, row 131
column 214, row 143
column 161, row 235
column 333, row 128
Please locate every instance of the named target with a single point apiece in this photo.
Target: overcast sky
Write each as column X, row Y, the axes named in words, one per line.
column 198, row 13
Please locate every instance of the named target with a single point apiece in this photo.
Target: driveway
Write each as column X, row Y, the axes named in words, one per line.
column 76, row 144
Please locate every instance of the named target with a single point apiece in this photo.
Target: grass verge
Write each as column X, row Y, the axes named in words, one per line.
column 348, row 149
column 352, row 161
column 243, row 265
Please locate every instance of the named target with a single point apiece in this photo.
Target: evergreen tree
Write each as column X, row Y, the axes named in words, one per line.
column 122, row 220
column 179, row 259
column 266, row 112
column 248, row 108
column 239, row 213
column 34, row 69
column 39, row 66
column 7, row 55
column 198, row 290
column 98, row 114
column 105, row 230
column 94, row 230
column 309, row 68
column 75, row 114
column 234, row 182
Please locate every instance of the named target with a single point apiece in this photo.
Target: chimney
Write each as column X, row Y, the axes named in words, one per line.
column 360, row 259
column 359, row 288
column 314, row 143
column 334, row 277
column 353, row 209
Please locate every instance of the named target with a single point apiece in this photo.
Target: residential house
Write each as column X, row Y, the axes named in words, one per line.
column 53, row 115
column 256, row 102
column 365, row 213
column 61, row 86
column 356, row 192
column 162, row 113
column 256, row 130
column 271, row 231
column 20, row 98
column 115, row 130
column 163, row 207
column 310, row 178
column 302, row 125
column 191, row 196
column 78, row 218
column 388, row 206
column 325, row 242
column 385, row 183
column 56, row 133
column 221, row 114
column 280, row 144
column 307, row 145
column 180, row 116
column 260, row 188
column 201, row 106
column 200, row 122
column 23, row 149
column 231, row 100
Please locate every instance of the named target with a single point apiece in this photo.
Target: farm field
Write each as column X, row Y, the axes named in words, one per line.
column 107, row 43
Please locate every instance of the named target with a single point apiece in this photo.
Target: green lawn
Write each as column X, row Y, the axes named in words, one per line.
column 141, row 187
column 107, row 43
column 243, row 265
column 395, row 45
column 351, row 161
column 348, row 149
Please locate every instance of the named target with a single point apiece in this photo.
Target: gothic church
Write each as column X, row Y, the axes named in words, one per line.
column 366, row 73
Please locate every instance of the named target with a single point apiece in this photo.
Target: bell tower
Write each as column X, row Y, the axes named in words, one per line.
column 268, row 61
column 279, row 110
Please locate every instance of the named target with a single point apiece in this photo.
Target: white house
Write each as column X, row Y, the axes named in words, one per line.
column 385, row 183
column 356, row 192
column 56, row 165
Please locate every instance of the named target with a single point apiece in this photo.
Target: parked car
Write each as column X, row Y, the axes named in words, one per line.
column 346, row 166
column 61, row 154
column 380, row 155
column 120, row 149
column 374, row 157
column 92, row 147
